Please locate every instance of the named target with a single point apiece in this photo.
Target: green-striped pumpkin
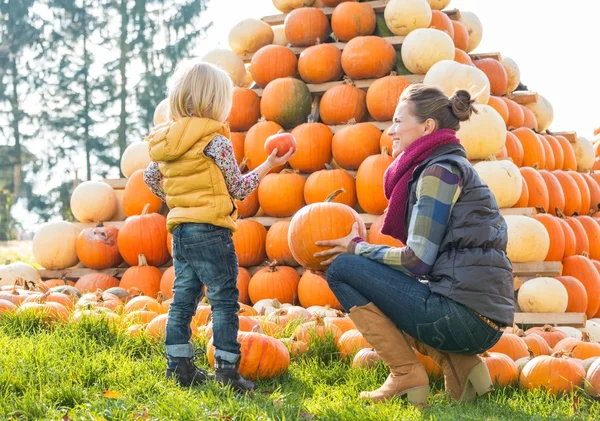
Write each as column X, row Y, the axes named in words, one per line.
column 286, row 101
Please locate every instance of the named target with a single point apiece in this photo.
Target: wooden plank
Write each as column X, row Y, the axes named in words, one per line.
column 116, row 183
column 554, row 319
column 378, row 7
column 571, row 136
column 76, row 273
column 396, row 41
column 518, row 211
column 480, row 56
column 321, row 88
column 523, row 97
column 537, row 269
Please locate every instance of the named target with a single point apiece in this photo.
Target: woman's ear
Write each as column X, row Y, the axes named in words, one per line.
column 430, row 126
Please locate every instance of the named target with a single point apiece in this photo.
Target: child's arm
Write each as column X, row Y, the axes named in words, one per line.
column 153, row 179
column 239, row 186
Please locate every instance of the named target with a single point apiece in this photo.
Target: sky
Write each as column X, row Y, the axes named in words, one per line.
column 554, row 42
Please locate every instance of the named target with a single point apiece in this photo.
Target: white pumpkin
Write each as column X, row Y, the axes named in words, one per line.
column 287, row 6
column 135, row 157
column 93, row 201
column 322, row 311
column 475, row 28
column 584, row 153
column 248, row 81
column 404, row 16
column 161, row 112
column 120, row 215
column 587, row 363
column 543, row 295
column 513, row 73
column 279, row 37
column 424, row 47
column 504, row 180
column 592, row 328
column 438, row 4
column 522, row 362
column 267, row 306
column 528, row 239
column 543, row 111
column 450, row 76
column 9, row 273
column 250, row 35
column 571, row 332
column 54, row 245
column 484, row 134
column 230, row 62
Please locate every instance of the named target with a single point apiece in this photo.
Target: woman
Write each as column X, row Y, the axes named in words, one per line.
column 455, row 243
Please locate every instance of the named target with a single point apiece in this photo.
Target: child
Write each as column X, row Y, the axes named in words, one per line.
column 195, row 172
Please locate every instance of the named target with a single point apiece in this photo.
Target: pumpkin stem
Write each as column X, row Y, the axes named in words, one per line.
column 160, row 297
column 486, row 354
column 272, row 266
column 257, row 329
column 41, row 299
column 100, row 224
column 145, row 210
column 328, row 167
column 384, row 150
column 352, row 121
column 540, row 209
column 243, row 165
column 99, row 295
column 560, row 214
column 348, row 81
column 585, row 254
column 142, row 261
column 585, row 337
column 334, row 194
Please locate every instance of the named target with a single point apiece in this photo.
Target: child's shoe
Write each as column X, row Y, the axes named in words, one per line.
column 228, row 373
column 185, row 372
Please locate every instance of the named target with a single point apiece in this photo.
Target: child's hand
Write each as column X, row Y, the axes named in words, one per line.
column 273, row 160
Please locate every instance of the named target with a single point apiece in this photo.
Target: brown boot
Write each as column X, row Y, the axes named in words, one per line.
column 407, row 376
column 465, row 376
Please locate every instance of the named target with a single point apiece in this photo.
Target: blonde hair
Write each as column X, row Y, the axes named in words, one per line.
column 201, row 89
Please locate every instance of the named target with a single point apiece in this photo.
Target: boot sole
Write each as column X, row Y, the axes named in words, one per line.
column 417, row 396
column 478, row 383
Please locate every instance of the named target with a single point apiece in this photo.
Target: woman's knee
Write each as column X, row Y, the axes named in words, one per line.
column 341, row 268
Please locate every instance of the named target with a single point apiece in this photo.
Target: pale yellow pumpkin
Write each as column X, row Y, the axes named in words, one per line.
column 230, row 62
column 161, row 112
column 250, row 35
column 543, row 111
column 513, row 73
column 404, row 16
column 504, row 180
column 135, row 157
column 93, row 201
column 450, row 76
column 287, row 6
column 528, row 239
column 54, row 245
column 279, row 37
column 474, row 27
column 424, row 47
column 584, row 153
column 484, row 134
column 543, row 295
column 438, row 4
column 10, row 272
column 120, row 214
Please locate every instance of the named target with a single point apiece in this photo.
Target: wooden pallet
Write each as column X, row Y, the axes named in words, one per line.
column 523, row 97
column 570, row 136
column 553, row 319
column 378, row 7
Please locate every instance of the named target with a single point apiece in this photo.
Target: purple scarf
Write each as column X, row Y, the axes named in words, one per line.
column 398, row 175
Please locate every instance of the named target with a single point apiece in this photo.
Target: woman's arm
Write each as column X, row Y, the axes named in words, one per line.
column 153, row 179
column 239, row 186
column 438, row 190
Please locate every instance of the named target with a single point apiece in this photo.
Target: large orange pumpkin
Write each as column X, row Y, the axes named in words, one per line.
column 557, row 373
column 594, row 188
column 243, row 280
column 137, row 195
column 556, row 197
column 144, row 234
column 254, row 145
column 463, row 58
column 383, row 96
column 313, row 147
column 351, row 19
column 584, row 191
column 529, row 119
column 499, row 105
column 441, row 22
column 523, row 201
column 272, row 62
column 582, row 243
column 578, row 298
column 515, row 114
column 321, row 183
column 536, row 344
column 461, row 35
column 570, row 241
column 369, row 183
column 166, row 283
column 557, row 151
column 538, row 191
column 511, row 345
column 368, row 57
column 249, row 241
column 306, row 26
column 569, row 162
column 386, row 141
column 97, row 247
column 354, row 143
column 351, row 342
column 313, row 290
column 320, row 64
column 142, row 277
column 579, row 348
column 502, row 368
column 376, row 237
column 286, row 101
column 582, row 268
column 557, row 237
column 95, row 281
column 548, row 153
column 281, row 195
column 277, row 246
column 343, row 103
column 533, row 149
column 514, row 149
column 551, row 335
column 495, row 72
column 570, row 190
column 249, row 206
column 237, row 141
column 279, row 282
column 592, row 230
column 245, row 110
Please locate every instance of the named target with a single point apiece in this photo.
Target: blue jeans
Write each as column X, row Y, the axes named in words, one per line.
column 430, row 318
column 203, row 254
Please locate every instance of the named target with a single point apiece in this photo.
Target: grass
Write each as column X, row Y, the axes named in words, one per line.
column 92, row 371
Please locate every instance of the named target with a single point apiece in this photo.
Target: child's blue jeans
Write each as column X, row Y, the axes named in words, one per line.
column 203, row 254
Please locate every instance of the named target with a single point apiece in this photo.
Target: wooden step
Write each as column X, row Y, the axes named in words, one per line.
column 378, row 7
column 553, row 319
column 523, row 97
column 570, row 136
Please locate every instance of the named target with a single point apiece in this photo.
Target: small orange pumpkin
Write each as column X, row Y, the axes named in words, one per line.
column 143, row 277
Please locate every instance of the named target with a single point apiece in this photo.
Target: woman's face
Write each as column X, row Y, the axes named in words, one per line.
column 406, row 128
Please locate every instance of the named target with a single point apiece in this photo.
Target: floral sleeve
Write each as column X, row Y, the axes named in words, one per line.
column 153, row 179
column 239, row 186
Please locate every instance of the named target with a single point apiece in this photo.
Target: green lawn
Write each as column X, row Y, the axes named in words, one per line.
column 49, row 371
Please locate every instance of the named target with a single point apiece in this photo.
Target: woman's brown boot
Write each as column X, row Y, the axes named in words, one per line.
column 407, row 376
column 465, row 376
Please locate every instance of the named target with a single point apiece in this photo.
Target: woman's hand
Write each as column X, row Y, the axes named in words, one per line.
column 339, row 246
column 273, row 160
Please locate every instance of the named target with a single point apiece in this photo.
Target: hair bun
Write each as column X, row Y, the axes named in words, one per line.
column 462, row 105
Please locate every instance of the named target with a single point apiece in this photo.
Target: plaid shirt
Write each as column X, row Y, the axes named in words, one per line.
column 438, row 190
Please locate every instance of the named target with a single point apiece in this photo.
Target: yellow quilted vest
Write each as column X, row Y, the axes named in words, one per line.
column 194, row 185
